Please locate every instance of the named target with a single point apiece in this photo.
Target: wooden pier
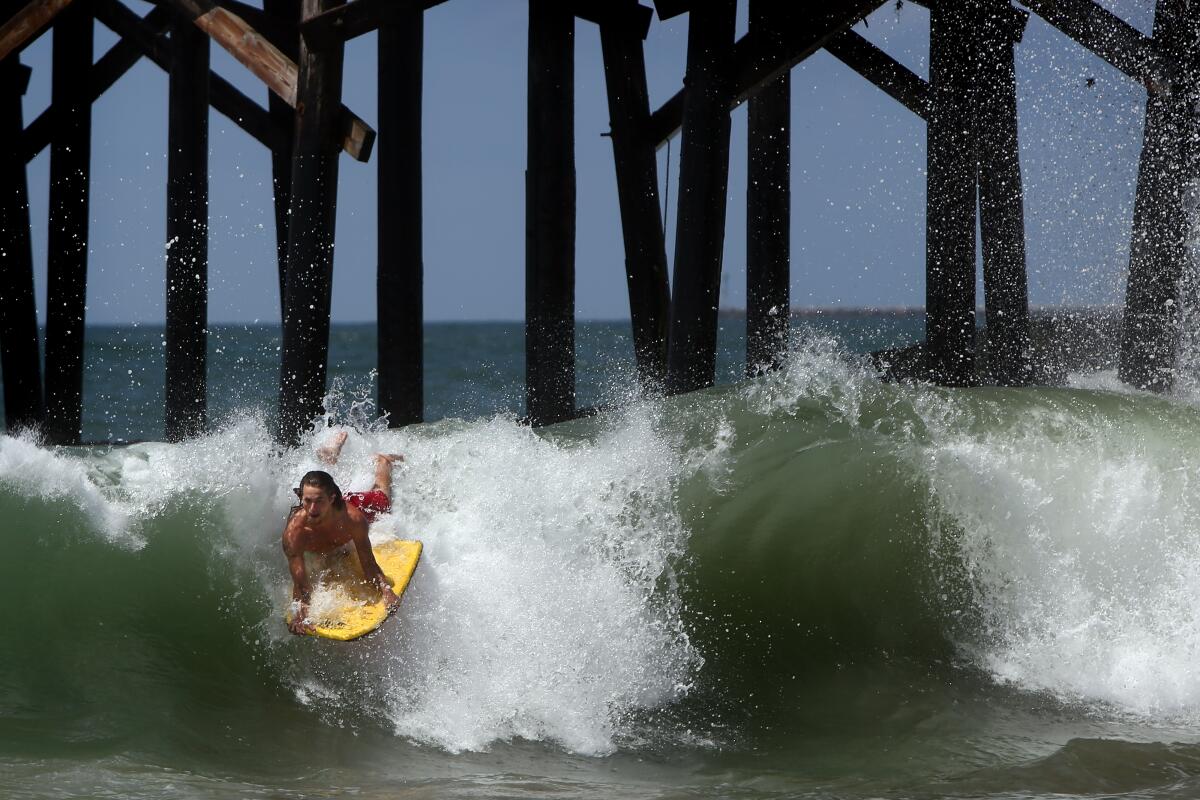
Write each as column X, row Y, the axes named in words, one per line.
column 295, row 48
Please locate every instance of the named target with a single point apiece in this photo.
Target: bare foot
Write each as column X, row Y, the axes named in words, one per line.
column 329, row 453
column 391, row 458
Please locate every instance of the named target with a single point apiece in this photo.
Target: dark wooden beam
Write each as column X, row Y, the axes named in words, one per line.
column 1161, row 213
column 67, row 245
column 20, row 366
column 272, row 67
column 187, row 234
column 310, row 235
column 703, row 184
column 768, row 213
column 646, row 270
column 356, row 18
column 550, row 215
column 142, row 36
column 1104, row 33
column 625, row 14
column 24, row 27
column 119, row 59
column 1001, row 197
column 400, row 309
column 896, row 80
column 759, row 57
column 951, row 194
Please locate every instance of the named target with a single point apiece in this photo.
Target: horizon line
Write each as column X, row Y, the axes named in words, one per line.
column 795, row 311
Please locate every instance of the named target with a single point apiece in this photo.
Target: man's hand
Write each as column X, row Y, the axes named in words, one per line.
column 390, row 598
column 300, row 624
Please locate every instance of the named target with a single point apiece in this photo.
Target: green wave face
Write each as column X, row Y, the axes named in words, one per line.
column 811, row 551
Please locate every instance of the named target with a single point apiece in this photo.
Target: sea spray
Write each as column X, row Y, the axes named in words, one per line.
column 31, row 471
column 1074, row 518
column 740, row 544
column 544, row 606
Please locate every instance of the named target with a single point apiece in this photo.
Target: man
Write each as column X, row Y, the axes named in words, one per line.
column 326, row 520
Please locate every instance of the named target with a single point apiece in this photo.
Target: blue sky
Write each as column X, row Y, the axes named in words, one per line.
column 858, row 167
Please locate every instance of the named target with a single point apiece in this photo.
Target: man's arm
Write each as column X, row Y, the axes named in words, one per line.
column 301, row 589
column 370, row 567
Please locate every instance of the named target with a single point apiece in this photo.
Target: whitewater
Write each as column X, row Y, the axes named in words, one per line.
column 809, row 584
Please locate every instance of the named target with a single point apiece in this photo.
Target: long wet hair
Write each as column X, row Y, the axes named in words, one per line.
column 323, row 481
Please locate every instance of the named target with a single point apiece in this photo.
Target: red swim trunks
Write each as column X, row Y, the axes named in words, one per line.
column 370, row 503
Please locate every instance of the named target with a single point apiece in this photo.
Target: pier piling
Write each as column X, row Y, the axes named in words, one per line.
column 703, row 184
column 187, row 233
column 951, row 195
column 1001, row 201
column 550, row 215
column 1166, row 173
column 768, row 212
column 286, row 14
column 400, row 310
column 20, row 365
column 311, row 233
column 67, row 240
column 636, row 164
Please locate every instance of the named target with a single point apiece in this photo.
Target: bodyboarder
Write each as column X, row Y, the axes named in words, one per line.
column 327, row 521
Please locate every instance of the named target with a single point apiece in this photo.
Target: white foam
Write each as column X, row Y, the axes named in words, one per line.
column 1078, row 529
column 541, row 608
column 34, row 471
column 818, row 367
column 544, row 606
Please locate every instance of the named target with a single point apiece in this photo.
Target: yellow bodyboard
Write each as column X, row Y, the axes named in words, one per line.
column 344, row 606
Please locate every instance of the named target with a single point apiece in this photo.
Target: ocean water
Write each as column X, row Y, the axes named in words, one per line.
column 810, row 585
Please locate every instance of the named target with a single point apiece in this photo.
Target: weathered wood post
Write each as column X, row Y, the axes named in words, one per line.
column 703, row 185
column 19, row 355
column 768, row 210
column 550, row 215
column 187, row 233
column 636, row 165
column 1167, row 172
column 400, row 314
column 1001, row 204
column 310, row 233
column 951, row 195
column 67, row 245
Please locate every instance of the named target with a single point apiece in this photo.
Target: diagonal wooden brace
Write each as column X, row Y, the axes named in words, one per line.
column 27, row 24
column 1106, row 35
column 758, row 59
column 143, row 36
column 268, row 64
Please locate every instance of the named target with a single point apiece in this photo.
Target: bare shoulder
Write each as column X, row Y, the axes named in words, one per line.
column 292, row 535
column 356, row 521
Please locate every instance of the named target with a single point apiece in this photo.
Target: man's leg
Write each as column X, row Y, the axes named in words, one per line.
column 383, row 473
column 332, row 449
